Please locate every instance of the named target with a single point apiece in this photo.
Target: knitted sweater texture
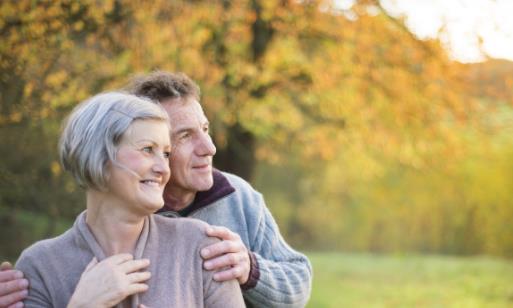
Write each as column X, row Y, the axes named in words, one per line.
column 178, row 279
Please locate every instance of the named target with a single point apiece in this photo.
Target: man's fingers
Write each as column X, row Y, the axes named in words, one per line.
column 221, row 248
column 222, row 233
column 5, row 266
column 13, row 299
column 138, row 277
column 229, row 274
column 134, row 265
column 9, row 275
column 17, row 305
column 13, row 286
column 229, row 259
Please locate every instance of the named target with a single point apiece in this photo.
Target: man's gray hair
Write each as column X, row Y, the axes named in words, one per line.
column 93, row 131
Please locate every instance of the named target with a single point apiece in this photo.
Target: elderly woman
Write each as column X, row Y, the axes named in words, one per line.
column 117, row 147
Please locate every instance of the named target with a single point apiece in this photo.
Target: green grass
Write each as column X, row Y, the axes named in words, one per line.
column 364, row 280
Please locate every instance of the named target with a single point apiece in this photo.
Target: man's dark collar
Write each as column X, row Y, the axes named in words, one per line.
column 219, row 189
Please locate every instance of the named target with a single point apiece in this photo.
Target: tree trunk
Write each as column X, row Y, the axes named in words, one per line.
column 238, row 156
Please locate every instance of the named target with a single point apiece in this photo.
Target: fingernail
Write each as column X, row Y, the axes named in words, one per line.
column 205, row 252
column 208, row 265
column 23, row 283
column 210, row 230
column 18, row 275
column 19, row 305
column 24, row 293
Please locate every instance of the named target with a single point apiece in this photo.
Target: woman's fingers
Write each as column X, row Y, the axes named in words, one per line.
column 136, row 288
column 134, row 265
column 119, row 258
column 91, row 264
column 138, row 277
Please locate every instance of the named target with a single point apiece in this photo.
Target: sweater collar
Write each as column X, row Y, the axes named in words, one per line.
column 90, row 241
column 219, row 189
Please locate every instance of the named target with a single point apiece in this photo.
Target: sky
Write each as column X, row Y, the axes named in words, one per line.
column 468, row 28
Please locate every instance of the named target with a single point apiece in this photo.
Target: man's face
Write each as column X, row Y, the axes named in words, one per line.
column 192, row 148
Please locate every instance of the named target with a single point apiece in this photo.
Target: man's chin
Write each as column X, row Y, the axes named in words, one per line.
column 205, row 185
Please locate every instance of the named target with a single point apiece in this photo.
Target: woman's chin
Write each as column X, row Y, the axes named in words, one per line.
column 154, row 206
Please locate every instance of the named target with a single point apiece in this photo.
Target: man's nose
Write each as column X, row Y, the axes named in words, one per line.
column 206, row 146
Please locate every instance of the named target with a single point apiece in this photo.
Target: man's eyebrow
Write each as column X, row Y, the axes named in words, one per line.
column 190, row 128
column 183, row 130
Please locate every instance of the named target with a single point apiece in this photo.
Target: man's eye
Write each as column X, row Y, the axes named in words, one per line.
column 167, row 154
column 185, row 136
column 147, row 149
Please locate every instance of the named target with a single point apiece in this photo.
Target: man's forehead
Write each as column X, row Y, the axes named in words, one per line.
column 179, row 107
column 185, row 117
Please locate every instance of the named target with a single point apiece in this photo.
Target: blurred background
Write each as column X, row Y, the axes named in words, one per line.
column 379, row 132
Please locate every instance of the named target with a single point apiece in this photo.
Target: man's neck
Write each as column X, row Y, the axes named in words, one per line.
column 178, row 200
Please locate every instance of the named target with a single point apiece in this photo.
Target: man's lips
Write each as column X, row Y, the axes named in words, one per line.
column 201, row 167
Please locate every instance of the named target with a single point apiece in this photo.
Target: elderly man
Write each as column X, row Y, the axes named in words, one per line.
column 270, row 273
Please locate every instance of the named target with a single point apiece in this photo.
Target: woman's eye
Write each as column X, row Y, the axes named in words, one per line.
column 147, row 149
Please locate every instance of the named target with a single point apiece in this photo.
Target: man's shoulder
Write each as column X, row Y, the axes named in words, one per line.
column 245, row 197
column 240, row 184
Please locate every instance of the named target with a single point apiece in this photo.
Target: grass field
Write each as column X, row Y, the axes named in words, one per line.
column 364, row 280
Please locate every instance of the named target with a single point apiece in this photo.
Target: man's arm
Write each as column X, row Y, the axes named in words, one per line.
column 272, row 274
column 284, row 275
column 13, row 287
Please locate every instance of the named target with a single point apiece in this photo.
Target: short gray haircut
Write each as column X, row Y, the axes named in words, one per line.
column 93, row 131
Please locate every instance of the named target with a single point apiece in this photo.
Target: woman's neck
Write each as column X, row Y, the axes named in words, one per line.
column 115, row 229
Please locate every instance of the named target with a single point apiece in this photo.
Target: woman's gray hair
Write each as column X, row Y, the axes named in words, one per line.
column 93, row 130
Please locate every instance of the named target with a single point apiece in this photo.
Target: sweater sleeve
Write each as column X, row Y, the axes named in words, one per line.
column 38, row 295
column 284, row 275
column 225, row 294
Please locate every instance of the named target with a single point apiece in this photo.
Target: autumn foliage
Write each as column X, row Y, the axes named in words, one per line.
column 360, row 135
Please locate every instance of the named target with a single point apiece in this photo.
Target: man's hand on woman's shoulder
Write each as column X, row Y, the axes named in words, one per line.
column 13, row 287
column 230, row 256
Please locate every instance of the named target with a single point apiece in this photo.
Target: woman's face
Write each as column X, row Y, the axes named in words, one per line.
column 141, row 170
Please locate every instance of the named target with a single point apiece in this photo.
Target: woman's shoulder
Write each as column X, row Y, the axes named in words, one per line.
column 191, row 224
column 186, row 228
column 46, row 249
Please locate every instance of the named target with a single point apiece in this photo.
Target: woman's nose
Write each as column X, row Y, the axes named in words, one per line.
column 161, row 164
